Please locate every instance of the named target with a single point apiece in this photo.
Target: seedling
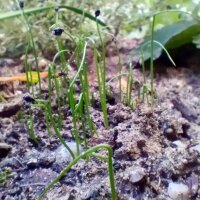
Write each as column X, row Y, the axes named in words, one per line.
column 129, row 86
column 145, row 90
column 101, row 73
column 4, row 176
column 88, row 154
column 30, row 42
column 152, row 41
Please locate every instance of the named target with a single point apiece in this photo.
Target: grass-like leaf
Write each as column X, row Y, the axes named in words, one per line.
column 27, row 11
column 86, row 154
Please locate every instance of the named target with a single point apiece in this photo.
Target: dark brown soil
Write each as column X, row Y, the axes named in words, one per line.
column 154, row 146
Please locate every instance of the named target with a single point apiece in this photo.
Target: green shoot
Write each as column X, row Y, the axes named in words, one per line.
column 119, row 70
column 84, row 101
column 58, row 85
column 47, row 106
column 72, row 99
column 72, row 104
column 115, row 77
column 30, row 128
column 85, row 88
column 85, row 154
column 152, row 46
column 101, row 75
column 4, row 176
column 129, row 86
column 31, row 39
column 145, row 89
column 27, row 70
column 101, row 88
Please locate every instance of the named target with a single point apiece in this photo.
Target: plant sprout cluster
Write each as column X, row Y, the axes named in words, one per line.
column 62, row 87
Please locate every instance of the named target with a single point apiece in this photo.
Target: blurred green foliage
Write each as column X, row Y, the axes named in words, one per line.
column 126, row 18
column 5, row 174
column 171, row 36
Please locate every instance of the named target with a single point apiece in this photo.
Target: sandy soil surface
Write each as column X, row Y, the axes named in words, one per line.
column 156, row 148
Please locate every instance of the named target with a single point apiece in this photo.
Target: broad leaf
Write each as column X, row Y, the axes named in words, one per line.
column 171, row 36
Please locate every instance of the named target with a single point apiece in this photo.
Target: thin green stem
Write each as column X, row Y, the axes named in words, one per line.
column 119, row 71
column 28, row 71
column 72, row 99
column 159, row 44
column 34, row 49
column 57, row 87
column 57, row 131
column 50, row 82
column 85, row 88
column 62, row 55
column 74, row 118
column 115, row 77
column 129, row 86
column 52, row 75
column 47, row 106
column 102, row 76
column 80, row 67
column 144, row 92
column 40, row 9
column 145, row 89
column 46, row 115
column 30, row 127
column 152, row 46
column 151, row 61
column 101, row 89
column 84, row 155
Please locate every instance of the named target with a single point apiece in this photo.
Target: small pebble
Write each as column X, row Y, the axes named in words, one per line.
column 117, row 166
column 15, row 191
column 178, row 191
column 180, row 145
column 196, row 148
column 136, row 175
column 4, row 149
column 170, row 134
column 46, row 161
column 33, row 162
column 63, row 155
column 193, row 183
column 56, row 167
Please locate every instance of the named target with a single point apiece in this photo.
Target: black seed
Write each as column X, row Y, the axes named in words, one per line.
column 57, row 8
column 168, row 7
column 117, row 166
column 57, row 31
column 62, row 74
column 21, row 4
column 97, row 13
column 28, row 98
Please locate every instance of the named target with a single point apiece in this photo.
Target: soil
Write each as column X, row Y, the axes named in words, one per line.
column 153, row 146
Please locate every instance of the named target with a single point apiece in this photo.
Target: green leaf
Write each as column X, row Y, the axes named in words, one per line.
column 27, row 11
column 171, row 36
column 196, row 41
